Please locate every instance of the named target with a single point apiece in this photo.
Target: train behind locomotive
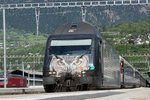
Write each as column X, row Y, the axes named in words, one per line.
column 12, row 80
column 77, row 57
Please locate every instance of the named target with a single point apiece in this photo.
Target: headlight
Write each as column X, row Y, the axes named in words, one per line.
column 52, row 72
column 83, row 72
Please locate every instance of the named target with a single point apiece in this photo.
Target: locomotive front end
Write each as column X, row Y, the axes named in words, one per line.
column 70, row 64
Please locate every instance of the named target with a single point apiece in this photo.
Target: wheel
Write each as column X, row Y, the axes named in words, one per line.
column 68, row 89
column 78, row 88
column 134, row 86
column 49, row 88
column 84, row 87
column 122, row 86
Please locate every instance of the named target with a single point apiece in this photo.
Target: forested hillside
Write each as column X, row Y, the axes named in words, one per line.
column 127, row 38
column 130, row 37
column 50, row 18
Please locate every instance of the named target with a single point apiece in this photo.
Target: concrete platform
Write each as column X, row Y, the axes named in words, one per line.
column 117, row 94
column 31, row 89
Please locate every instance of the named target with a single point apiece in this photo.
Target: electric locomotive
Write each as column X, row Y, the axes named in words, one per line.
column 77, row 57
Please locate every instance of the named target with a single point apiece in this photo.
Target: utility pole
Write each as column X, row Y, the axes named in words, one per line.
column 10, row 66
column 83, row 9
column 28, row 67
column 4, row 31
column 33, row 66
column 23, row 69
column 37, row 16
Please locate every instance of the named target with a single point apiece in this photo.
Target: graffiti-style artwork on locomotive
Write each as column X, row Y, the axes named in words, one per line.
column 71, row 64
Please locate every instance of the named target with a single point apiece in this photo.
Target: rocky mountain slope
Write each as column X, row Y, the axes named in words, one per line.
column 51, row 18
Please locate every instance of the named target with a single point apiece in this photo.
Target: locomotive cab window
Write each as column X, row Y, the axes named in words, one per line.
column 70, row 47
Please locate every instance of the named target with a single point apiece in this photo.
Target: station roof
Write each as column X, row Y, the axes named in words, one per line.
column 26, row 72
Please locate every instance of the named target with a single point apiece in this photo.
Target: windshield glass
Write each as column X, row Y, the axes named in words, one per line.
column 70, row 47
